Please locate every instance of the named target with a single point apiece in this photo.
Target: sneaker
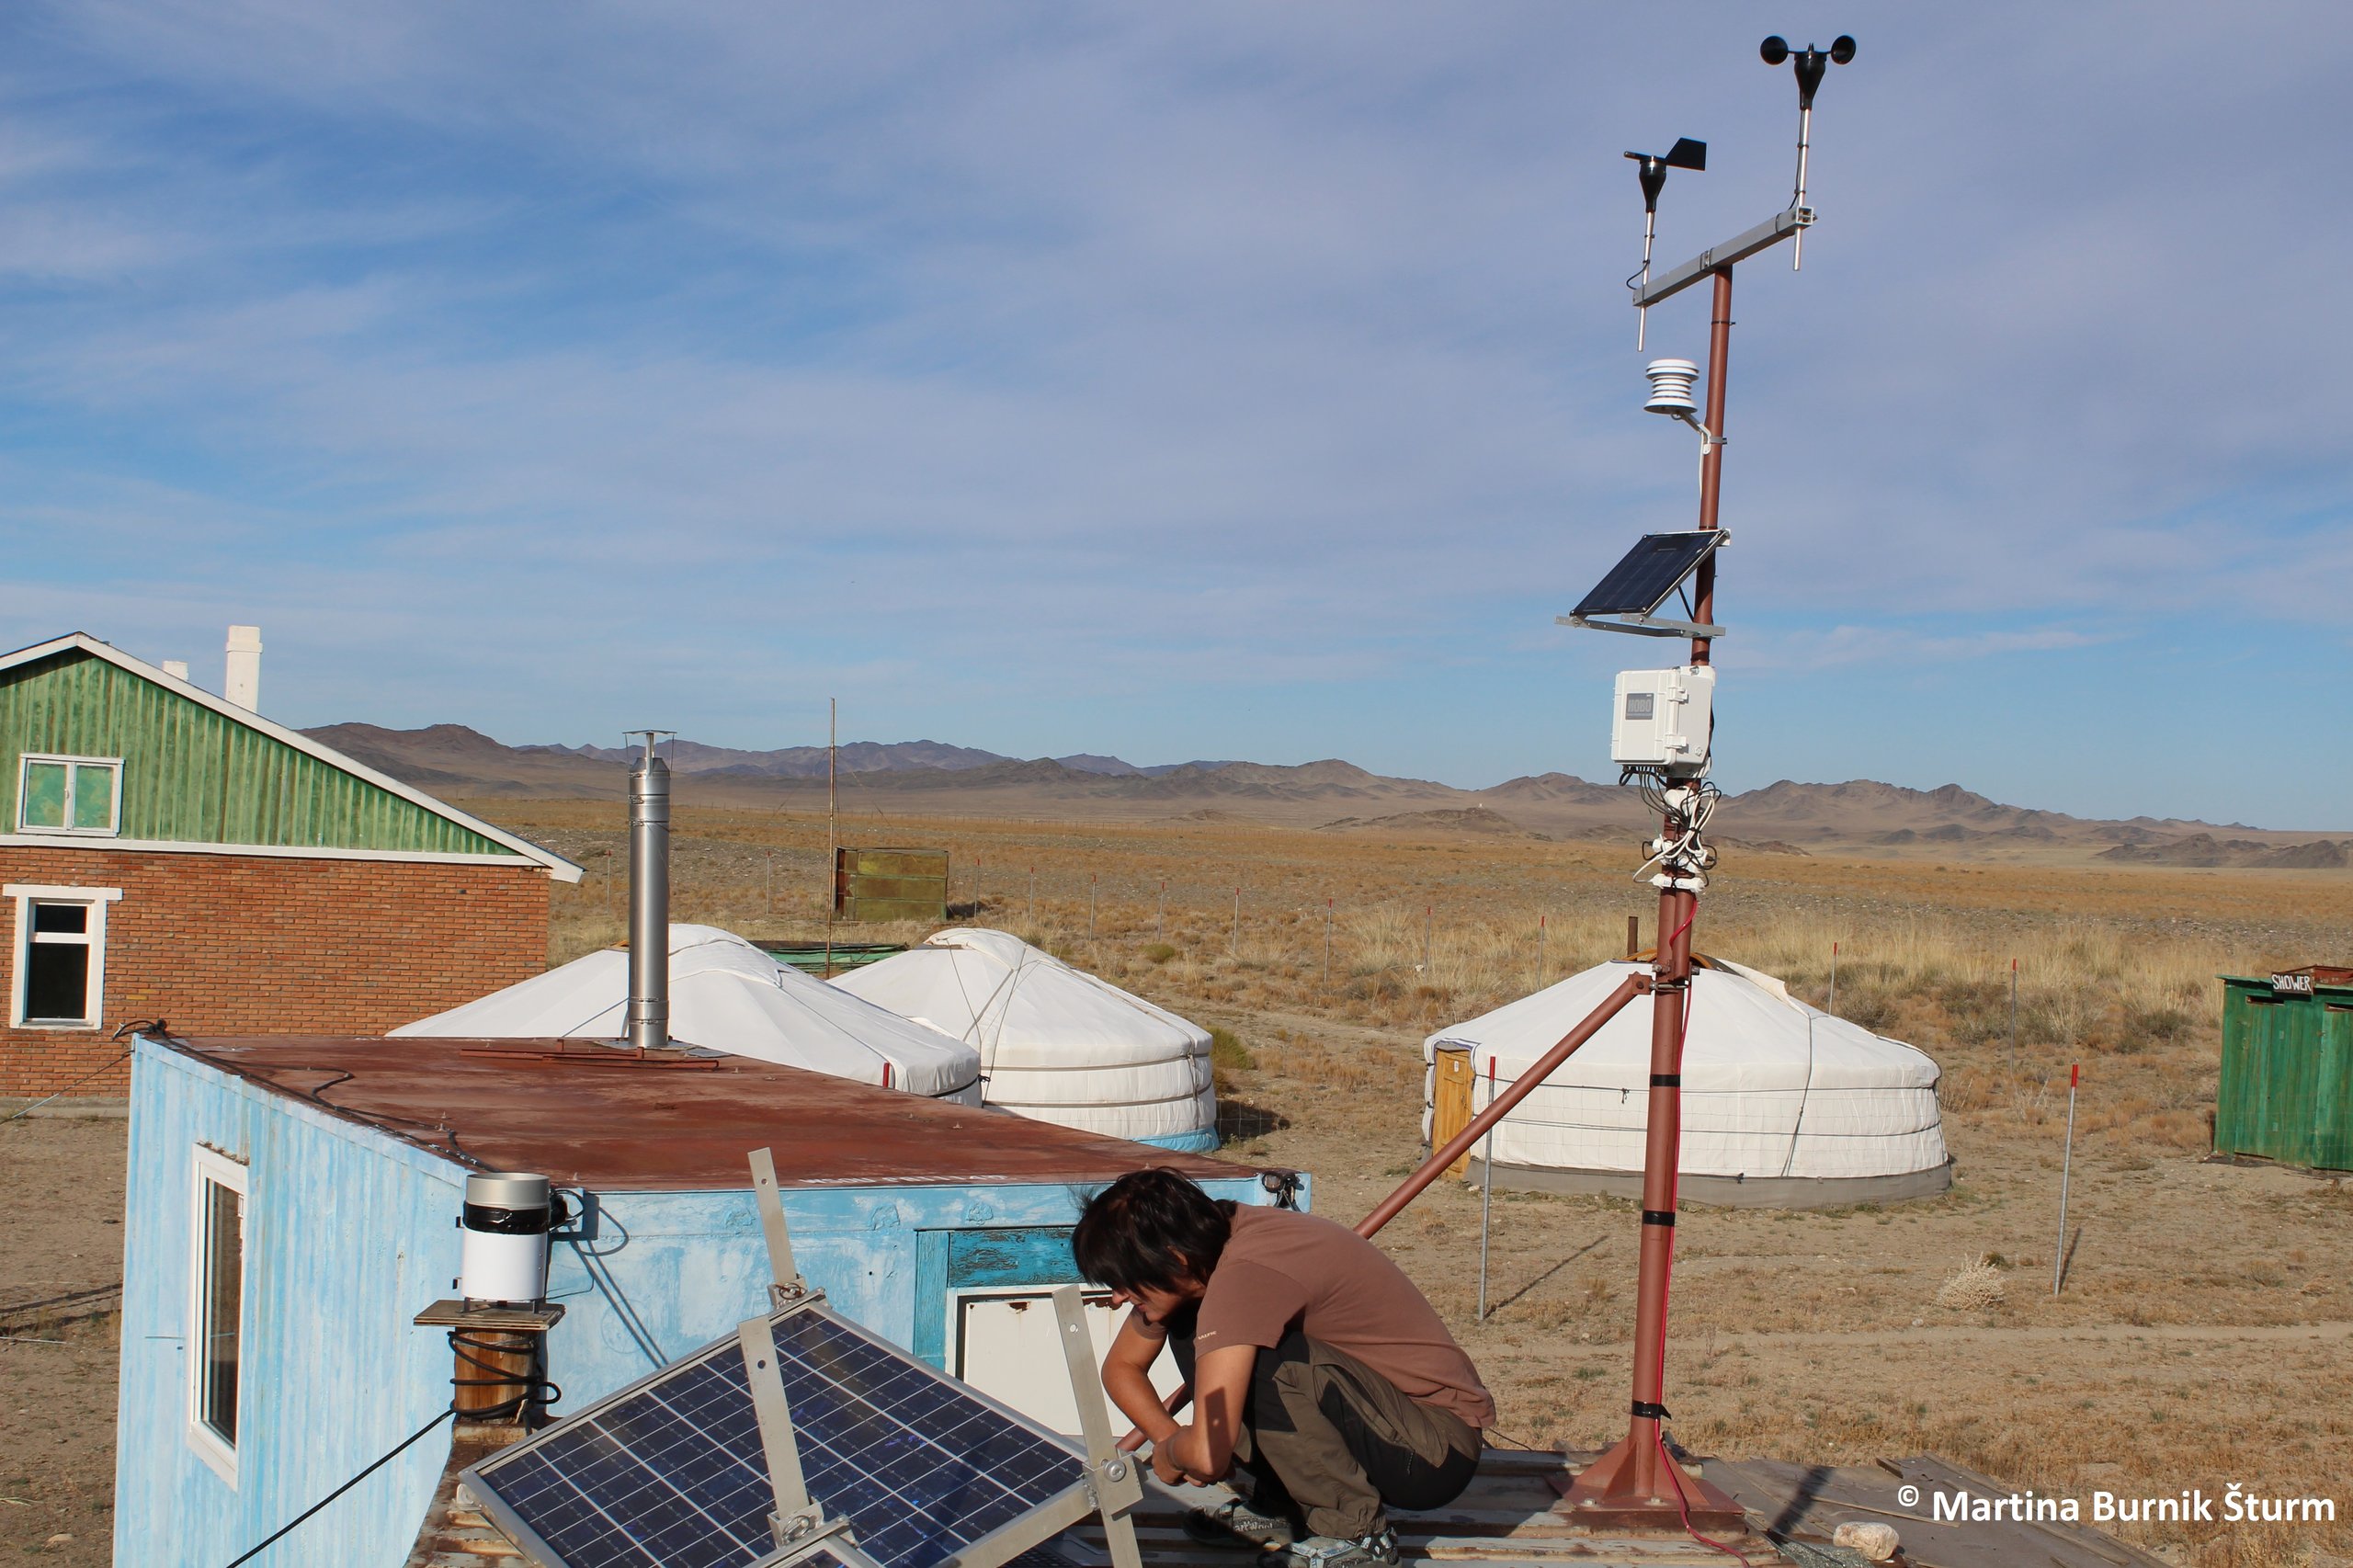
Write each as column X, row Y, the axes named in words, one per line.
column 1235, row 1523
column 1330, row 1552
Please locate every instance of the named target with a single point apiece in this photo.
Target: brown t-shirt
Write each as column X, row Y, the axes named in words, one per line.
column 1283, row 1269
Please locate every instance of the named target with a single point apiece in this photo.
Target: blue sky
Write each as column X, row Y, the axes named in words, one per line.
column 1205, row 381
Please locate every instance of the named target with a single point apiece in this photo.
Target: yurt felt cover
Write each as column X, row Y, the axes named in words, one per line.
column 1055, row 1042
column 1772, row 1089
column 726, row 995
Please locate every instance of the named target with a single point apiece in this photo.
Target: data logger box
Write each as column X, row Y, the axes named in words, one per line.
column 1664, row 718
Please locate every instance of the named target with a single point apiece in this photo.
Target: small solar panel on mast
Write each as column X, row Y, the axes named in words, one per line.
column 1640, row 582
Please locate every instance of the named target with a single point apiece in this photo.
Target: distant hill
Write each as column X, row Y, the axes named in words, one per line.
column 1859, row 817
column 795, row 762
column 2205, row 849
column 1477, row 820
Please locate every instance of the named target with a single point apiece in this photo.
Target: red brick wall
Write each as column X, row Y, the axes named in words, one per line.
column 257, row 944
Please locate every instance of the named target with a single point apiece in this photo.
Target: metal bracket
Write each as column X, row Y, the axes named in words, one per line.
column 785, row 1284
column 798, row 1516
column 1112, row 1483
column 1644, row 626
column 1740, row 247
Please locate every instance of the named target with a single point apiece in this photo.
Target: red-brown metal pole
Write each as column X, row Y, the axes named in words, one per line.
column 1633, row 1482
column 1711, row 464
column 1662, row 1158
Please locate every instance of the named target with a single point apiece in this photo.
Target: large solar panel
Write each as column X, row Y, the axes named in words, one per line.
column 670, row 1471
column 1640, row 584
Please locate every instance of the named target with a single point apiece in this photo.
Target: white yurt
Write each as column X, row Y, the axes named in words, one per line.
column 726, row 995
column 1056, row 1043
column 1784, row 1106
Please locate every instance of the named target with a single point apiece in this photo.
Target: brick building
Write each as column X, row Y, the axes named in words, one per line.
column 170, row 854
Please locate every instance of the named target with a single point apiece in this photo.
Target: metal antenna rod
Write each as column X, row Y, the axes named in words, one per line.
column 1643, row 314
column 1805, row 146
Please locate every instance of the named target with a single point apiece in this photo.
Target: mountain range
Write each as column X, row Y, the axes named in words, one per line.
column 1860, row 817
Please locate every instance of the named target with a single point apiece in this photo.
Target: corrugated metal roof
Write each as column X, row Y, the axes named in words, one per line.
column 200, row 770
column 591, row 1115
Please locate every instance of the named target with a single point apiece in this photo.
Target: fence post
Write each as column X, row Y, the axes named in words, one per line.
column 1834, row 979
column 2066, row 1162
column 1539, row 961
column 1486, row 1194
column 2014, row 1017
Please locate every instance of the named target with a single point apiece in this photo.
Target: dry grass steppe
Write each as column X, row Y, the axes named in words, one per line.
column 2201, row 1339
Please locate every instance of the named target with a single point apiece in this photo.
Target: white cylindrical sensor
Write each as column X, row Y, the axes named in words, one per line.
column 504, row 1256
column 1671, row 387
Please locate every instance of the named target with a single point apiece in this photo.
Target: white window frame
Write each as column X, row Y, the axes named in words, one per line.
column 25, row 895
column 213, row 1166
column 114, row 826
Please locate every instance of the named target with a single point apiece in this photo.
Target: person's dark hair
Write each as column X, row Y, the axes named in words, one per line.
column 1148, row 1230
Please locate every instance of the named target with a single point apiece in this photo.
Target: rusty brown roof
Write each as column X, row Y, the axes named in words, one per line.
column 592, row 1115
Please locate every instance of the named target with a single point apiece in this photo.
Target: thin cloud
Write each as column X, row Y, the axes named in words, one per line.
column 1158, row 353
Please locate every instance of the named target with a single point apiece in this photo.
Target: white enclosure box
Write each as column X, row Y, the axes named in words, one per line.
column 1664, row 718
column 1009, row 1344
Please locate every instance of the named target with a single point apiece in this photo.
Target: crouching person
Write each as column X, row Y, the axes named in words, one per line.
column 1324, row 1385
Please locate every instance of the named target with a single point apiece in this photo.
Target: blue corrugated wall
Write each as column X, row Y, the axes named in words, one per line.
column 350, row 1233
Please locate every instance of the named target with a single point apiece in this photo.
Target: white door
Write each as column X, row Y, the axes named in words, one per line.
column 1009, row 1346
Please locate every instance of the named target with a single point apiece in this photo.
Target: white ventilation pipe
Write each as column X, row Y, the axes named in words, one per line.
column 175, row 668
column 243, row 684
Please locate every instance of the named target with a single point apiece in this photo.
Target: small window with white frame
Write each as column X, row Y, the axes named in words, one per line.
column 60, row 956
column 216, row 1311
column 80, row 795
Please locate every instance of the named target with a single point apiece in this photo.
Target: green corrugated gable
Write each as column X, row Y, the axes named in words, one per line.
column 193, row 776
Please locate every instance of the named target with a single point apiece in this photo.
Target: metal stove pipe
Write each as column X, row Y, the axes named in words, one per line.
column 649, row 901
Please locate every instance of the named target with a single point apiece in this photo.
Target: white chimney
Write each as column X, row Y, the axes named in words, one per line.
column 175, row 668
column 242, row 686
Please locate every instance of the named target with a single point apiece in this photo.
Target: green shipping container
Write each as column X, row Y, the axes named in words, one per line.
column 2286, row 1090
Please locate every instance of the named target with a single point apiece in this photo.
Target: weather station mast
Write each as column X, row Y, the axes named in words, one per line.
column 1662, row 727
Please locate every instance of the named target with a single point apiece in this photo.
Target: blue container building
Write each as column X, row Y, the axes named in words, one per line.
column 292, row 1205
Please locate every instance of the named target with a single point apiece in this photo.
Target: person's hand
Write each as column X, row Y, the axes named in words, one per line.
column 1183, row 1459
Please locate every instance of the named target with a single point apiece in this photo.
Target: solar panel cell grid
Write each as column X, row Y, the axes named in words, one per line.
column 674, row 1473
column 1649, row 572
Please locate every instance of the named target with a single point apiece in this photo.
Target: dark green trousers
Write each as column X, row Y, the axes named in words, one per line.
column 1330, row 1440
